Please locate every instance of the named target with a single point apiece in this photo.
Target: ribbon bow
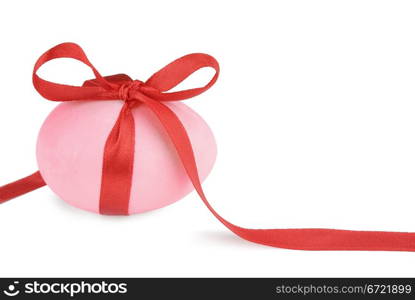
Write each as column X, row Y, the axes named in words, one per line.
column 119, row 151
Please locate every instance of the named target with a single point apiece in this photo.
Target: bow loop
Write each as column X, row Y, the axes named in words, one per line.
column 62, row 92
column 176, row 72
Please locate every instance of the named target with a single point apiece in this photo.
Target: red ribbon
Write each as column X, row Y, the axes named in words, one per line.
column 119, row 151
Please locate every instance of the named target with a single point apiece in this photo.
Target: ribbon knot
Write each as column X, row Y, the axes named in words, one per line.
column 128, row 91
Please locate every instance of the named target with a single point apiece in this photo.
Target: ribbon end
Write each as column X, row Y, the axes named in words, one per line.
column 21, row 187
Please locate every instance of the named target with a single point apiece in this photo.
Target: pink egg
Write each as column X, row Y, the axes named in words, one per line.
column 70, row 151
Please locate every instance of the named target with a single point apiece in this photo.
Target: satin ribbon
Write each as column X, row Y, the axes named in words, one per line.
column 119, row 151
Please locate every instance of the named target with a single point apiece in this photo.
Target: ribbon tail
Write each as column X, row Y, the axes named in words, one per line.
column 299, row 239
column 21, row 187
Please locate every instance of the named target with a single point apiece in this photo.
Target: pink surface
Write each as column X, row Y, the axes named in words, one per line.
column 70, row 150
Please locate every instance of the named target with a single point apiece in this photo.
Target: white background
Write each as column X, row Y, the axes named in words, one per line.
column 313, row 115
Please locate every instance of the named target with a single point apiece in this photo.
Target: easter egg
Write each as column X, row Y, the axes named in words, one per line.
column 70, row 151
